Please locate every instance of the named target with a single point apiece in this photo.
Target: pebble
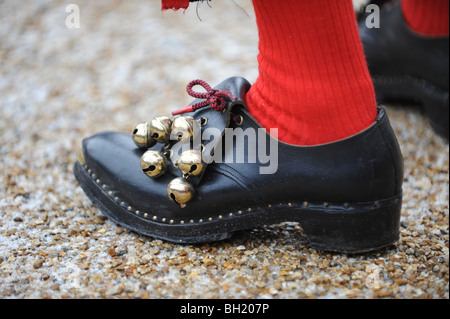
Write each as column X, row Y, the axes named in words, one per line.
column 55, row 244
column 38, row 264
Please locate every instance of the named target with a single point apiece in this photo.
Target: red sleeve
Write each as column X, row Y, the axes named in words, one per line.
column 174, row 4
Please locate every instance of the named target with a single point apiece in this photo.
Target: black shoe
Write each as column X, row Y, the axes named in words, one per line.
column 408, row 67
column 346, row 195
column 361, row 11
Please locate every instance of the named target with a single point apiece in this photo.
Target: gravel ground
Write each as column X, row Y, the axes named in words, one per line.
column 127, row 62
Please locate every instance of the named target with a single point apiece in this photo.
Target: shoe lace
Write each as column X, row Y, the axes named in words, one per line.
column 216, row 99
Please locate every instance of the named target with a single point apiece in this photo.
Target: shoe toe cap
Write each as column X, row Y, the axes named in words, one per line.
column 113, row 162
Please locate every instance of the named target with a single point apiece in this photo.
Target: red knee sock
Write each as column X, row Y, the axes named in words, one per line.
column 427, row 17
column 313, row 84
column 174, row 4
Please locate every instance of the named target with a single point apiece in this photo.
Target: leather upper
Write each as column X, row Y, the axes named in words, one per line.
column 362, row 168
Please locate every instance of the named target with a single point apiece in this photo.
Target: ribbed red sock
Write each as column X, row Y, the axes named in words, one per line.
column 427, row 17
column 313, row 84
column 174, row 4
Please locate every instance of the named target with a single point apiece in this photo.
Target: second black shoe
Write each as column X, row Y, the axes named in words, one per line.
column 408, row 67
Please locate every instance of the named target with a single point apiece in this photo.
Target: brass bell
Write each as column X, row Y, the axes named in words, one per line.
column 153, row 163
column 180, row 191
column 183, row 128
column 190, row 163
column 160, row 128
column 141, row 136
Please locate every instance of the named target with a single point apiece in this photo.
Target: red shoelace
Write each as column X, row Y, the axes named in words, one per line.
column 216, row 99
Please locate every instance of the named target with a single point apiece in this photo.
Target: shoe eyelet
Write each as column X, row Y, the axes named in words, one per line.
column 238, row 120
column 203, row 121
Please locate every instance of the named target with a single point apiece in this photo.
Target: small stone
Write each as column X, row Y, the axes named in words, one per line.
column 97, row 278
column 278, row 285
column 260, row 284
column 73, row 232
column 100, row 219
column 182, row 252
column 121, row 252
column 38, row 264
column 208, row 261
column 112, row 252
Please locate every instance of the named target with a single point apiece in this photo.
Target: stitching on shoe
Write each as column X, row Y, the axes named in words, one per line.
column 331, row 206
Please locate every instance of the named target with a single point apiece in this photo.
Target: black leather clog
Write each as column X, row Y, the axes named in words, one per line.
column 408, row 67
column 346, row 195
column 364, row 11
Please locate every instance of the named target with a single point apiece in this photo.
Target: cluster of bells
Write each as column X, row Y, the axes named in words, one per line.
column 154, row 163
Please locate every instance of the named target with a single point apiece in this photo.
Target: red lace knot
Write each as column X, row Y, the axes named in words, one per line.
column 216, row 99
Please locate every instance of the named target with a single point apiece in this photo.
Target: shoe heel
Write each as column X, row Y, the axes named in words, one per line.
column 353, row 228
column 435, row 101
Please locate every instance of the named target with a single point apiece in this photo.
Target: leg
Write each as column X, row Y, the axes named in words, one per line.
column 429, row 18
column 313, row 84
